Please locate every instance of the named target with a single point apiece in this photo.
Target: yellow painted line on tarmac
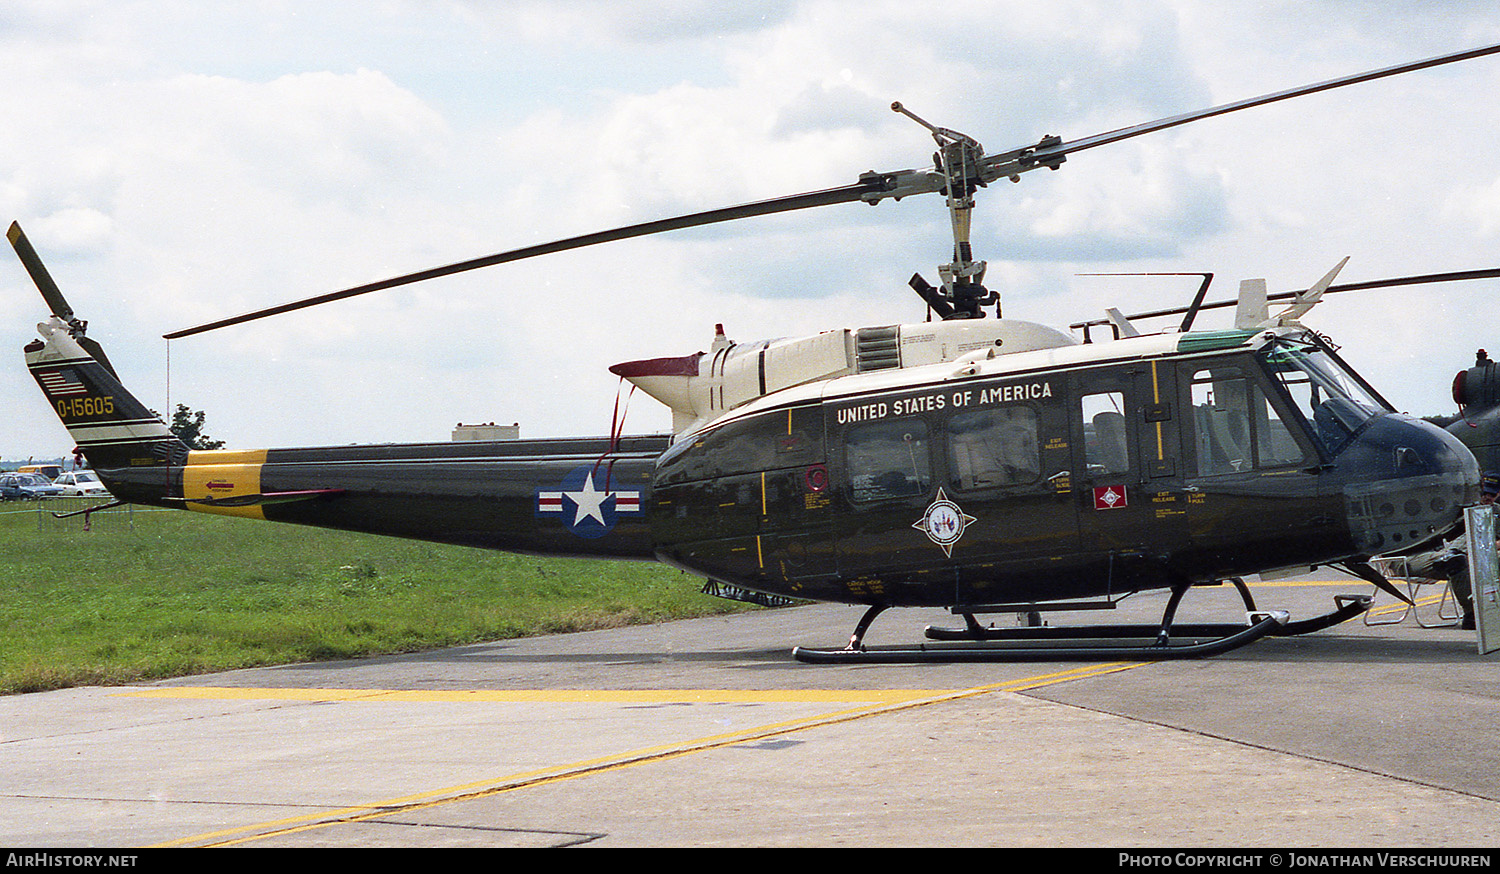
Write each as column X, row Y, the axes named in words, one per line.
column 1297, row 584
column 1064, row 676
column 1399, row 607
column 872, row 703
column 1424, row 601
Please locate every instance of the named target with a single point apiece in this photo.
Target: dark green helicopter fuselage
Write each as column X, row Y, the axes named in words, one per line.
column 1087, row 471
column 1081, row 473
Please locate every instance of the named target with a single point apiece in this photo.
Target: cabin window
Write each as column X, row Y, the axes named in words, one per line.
column 1236, row 428
column 1105, row 441
column 771, row 441
column 888, row 460
column 994, row 448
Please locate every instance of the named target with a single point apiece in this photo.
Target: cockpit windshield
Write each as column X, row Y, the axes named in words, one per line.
column 1332, row 398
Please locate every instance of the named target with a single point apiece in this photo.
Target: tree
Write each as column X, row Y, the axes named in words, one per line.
column 187, row 424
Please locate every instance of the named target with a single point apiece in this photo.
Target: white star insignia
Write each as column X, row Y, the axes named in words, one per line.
column 590, row 502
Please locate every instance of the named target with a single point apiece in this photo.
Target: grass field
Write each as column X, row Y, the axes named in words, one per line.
column 166, row 593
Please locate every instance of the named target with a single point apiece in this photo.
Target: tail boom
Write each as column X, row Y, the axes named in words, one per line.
column 574, row 496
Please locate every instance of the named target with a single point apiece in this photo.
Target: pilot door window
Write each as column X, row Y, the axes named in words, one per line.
column 1235, row 426
column 990, row 448
column 1105, row 441
column 888, row 460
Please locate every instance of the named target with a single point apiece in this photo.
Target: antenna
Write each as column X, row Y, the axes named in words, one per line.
column 1198, row 305
column 1187, row 321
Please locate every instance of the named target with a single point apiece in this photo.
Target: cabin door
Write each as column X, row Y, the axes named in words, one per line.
column 795, row 541
column 1009, row 469
column 885, row 483
column 1127, row 466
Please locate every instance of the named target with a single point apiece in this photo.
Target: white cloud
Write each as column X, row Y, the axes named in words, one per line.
column 1478, row 206
column 606, row 22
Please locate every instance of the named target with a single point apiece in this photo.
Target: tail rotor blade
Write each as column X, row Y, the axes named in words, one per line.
column 97, row 352
column 53, row 295
column 39, row 275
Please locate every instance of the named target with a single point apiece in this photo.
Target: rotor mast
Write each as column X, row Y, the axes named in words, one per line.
column 958, row 159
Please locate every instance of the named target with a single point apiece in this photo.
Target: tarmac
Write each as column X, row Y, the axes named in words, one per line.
column 706, row 733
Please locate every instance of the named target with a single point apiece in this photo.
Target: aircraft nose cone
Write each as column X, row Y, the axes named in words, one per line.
column 1411, row 481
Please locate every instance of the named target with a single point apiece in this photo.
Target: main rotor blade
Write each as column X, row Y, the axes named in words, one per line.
column 871, row 188
column 39, row 275
column 1042, row 154
column 845, row 194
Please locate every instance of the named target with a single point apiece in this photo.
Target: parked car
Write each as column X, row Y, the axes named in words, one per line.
column 26, row 486
column 50, row 471
column 81, row 482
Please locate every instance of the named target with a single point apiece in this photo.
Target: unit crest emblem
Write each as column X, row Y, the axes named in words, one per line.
column 943, row 522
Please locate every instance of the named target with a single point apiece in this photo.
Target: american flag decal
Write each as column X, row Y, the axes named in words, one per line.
column 61, row 383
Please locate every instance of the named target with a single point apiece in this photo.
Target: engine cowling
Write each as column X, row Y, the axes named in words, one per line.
column 703, row 386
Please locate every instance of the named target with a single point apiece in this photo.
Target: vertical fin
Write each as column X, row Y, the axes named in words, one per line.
column 110, row 427
column 113, row 430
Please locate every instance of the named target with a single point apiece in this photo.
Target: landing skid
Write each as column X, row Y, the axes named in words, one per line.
column 1167, row 640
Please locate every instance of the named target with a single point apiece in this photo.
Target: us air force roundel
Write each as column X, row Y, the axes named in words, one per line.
column 943, row 523
column 586, row 509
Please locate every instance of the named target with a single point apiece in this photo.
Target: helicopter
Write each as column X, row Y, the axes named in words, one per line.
column 1476, row 390
column 982, row 465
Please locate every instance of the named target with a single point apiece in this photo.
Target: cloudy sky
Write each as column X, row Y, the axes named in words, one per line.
column 177, row 162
